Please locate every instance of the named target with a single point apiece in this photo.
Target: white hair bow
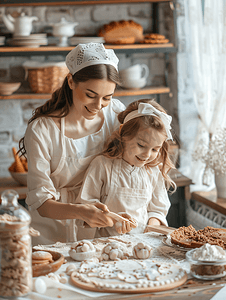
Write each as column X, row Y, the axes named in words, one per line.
column 146, row 109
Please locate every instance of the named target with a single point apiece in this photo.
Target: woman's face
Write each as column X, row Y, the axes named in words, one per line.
column 91, row 96
column 144, row 147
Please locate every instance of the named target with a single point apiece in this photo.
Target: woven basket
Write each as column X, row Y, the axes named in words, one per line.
column 47, row 79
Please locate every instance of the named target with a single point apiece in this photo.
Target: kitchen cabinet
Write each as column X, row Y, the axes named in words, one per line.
column 127, row 49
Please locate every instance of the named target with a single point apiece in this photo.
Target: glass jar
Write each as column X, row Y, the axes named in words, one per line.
column 15, row 247
column 205, row 269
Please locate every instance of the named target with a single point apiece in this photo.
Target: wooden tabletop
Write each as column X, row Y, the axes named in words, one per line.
column 10, row 183
column 210, row 199
column 190, row 291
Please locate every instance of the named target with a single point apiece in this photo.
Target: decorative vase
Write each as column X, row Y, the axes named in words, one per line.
column 220, row 182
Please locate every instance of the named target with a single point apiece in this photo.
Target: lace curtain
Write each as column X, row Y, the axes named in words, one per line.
column 206, row 39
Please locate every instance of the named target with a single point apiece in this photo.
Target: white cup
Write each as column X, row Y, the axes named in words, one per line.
column 135, row 72
column 134, row 84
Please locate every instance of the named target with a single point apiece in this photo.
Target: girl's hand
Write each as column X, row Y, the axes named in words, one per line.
column 124, row 227
column 94, row 216
column 152, row 221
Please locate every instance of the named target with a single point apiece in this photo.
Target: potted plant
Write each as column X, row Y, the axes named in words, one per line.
column 214, row 158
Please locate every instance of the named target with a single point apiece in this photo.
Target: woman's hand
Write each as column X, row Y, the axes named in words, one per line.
column 94, row 216
column 152, row 221
column 124, row 227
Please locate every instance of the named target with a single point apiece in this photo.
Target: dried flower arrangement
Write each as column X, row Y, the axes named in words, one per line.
column 214, row 154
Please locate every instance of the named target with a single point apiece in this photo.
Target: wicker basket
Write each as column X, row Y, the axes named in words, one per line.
column 46, row 80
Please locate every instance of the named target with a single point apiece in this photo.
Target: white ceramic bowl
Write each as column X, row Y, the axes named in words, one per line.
column 134, row 84
column 80, row 256
column 7, row 88
column 19, row 177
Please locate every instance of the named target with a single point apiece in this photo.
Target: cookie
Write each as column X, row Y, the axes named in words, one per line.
column 42, row 255
column 154, row 36
column 40, row 262
column 155, row 41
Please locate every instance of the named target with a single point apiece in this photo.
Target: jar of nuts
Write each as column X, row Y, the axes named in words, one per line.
column 15, row 247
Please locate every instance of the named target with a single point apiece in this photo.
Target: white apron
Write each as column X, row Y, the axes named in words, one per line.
column 62, row 230
column 123, row 199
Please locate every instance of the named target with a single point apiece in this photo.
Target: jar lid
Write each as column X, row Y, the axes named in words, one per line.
column 12, row 214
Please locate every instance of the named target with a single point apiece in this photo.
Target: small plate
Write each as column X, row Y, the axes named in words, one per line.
column 167, row 241
column 51, row 267
column 75, row 40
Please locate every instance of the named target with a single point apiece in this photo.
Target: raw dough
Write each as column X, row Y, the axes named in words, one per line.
column 142, row 251
column 114, row 251
column 82, row 250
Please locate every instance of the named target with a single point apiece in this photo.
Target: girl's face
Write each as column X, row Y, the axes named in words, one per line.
column 144, row 147
column 91, row 96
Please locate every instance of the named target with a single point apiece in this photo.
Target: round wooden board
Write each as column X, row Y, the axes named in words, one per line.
column 91, row 287
column 51, row 267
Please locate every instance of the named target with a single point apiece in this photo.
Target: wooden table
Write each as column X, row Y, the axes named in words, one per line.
column 210, row 199
column 10, row 183
column 204, row 291
column 192, row 289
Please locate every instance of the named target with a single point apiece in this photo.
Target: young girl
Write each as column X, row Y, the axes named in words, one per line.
column 130, row 176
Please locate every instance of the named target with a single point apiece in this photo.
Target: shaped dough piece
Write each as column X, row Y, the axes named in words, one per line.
column 114, row 251
column 82, row 250
column 142, row 251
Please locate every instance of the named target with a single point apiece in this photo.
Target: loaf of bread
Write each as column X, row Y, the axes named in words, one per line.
column 122, row 32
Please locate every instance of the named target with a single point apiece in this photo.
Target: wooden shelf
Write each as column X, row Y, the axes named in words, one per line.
column 118, row 93
column 145, row 91
column 68, row 2
column 133, row 48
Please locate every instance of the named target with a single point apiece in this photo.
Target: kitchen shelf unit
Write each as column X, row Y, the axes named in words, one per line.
column 75, row 2
column 118, row 93
column 126, row 49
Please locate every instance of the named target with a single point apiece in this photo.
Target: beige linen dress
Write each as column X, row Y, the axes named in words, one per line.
column 56, row 167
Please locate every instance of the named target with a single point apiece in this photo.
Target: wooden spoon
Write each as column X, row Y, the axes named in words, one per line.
column 119, row 218
column 161, row 229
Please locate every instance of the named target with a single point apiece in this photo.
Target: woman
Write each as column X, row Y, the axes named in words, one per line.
column 62, row 138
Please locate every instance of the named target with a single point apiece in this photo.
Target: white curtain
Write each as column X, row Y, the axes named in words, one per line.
column 205, row 29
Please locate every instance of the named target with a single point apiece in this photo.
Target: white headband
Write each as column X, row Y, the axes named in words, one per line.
column 89, row 54
column 146, row 109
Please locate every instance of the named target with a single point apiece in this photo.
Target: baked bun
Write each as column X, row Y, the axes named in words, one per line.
column 122, row 32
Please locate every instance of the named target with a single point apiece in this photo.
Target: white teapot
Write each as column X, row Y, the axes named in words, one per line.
column 63, row 30
column 20, row 26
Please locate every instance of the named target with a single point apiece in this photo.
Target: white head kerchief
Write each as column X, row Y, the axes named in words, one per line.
column 85, row 55
column 146, row 109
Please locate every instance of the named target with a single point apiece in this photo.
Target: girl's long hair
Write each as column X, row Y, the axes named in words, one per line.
column 114, row 147
column 59, row 105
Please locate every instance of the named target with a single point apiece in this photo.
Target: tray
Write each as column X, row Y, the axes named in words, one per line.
column 167, row 242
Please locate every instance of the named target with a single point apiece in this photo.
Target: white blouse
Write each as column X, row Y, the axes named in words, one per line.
column 56, row 163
